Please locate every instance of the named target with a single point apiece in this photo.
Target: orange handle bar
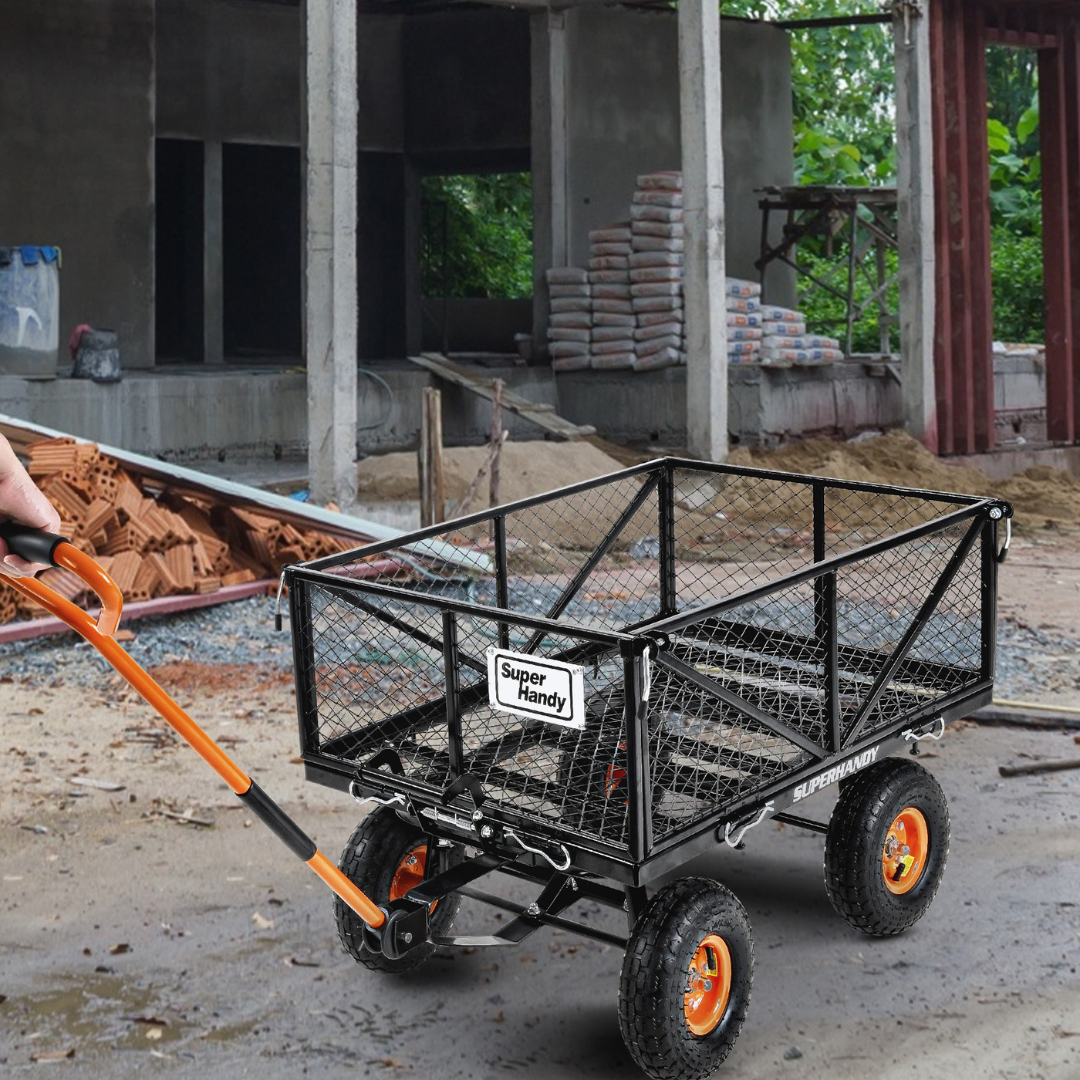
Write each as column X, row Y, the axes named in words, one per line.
column 99, row 634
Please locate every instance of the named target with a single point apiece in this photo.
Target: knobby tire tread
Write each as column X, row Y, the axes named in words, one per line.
column 654, row 973
column 853, row 846
column 370, row 858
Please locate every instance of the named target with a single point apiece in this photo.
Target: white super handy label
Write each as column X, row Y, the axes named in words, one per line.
column 540, row 689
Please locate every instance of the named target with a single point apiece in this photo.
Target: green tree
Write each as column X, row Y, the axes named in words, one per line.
column 842, row 91
column 476, row 236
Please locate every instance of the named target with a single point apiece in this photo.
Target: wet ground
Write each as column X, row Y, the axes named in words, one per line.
column 129, row 942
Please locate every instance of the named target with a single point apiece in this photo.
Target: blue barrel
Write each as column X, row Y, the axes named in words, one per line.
column 29, row 310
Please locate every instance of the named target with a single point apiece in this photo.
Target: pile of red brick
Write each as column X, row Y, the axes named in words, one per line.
column 155, row 540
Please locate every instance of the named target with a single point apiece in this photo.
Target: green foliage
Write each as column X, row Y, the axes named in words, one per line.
column 476, row 236
column 827, row 314
column 842, row 92
column 1016, row 172
column 1016, row 267
column 1012, row 80
column 1016, row 263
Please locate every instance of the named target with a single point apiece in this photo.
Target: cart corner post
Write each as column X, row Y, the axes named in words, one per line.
column 825, row 628
column 638, row 766
column 669, row 600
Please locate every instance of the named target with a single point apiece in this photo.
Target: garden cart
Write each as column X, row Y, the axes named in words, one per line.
column 587, row 689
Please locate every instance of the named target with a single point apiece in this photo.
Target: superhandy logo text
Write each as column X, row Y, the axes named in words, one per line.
column 838, row 772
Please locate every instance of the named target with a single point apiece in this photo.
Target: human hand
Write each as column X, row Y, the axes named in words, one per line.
column 21, row 500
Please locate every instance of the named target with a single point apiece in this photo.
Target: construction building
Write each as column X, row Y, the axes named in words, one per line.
column 235, row 188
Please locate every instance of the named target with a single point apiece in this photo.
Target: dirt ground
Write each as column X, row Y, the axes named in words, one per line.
column 132, row 939
column 148, row 923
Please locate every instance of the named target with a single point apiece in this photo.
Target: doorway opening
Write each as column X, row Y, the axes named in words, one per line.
column 476, row 260
column 1016, row 243
column 178, row 251
column 261, row 213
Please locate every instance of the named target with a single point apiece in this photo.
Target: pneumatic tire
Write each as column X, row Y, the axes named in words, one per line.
column 886, row 847
column 686, row 980
column 384, row 858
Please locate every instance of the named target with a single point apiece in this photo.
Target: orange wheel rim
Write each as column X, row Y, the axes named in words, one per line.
column 410, row 872
column 708, row 985
column 903, row 858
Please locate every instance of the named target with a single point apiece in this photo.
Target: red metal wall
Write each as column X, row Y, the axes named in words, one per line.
column 960, row 30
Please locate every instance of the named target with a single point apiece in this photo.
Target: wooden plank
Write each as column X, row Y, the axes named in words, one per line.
column 432, row 498
column 543, row 416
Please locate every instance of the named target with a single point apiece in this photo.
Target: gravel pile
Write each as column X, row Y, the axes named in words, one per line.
column 239, row 633
column 1030, row 663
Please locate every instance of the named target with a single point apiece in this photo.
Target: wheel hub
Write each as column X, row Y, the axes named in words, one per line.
column 410, row 872
column 708, row 985
column 903, row 857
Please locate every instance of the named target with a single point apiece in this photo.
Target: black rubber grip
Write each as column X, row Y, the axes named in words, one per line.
column 283, row 826
column 33, row 545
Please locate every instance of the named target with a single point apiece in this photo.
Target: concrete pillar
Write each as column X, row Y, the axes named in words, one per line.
column 703, row 213
column 915, row 224
column 549, row 160
column 213, row 256
column 330, row 285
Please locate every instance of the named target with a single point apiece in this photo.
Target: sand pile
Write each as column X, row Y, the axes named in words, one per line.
column 527, row 468
column 1039, row 494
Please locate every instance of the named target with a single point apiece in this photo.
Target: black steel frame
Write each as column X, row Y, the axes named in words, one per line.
column 355, row 762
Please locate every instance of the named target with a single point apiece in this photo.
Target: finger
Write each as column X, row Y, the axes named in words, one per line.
column 13, row 566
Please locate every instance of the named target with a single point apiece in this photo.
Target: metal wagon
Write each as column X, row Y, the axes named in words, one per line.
column 587, row 689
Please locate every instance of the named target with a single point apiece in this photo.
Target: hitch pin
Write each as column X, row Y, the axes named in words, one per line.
column 361, row 799
column 765, row 811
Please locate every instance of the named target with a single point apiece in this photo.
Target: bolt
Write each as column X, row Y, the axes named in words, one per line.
column 408, row 939
column 995, row 513
column 477, row 815
column 486, row 832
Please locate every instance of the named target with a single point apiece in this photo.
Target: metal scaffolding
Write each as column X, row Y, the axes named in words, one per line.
column 868, row 218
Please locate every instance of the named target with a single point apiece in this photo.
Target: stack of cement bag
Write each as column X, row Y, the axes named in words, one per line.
column 785, row 342
column 744, row 331
column 613, row 314
column 626, row 309
column 570, row 322
column 656, row 270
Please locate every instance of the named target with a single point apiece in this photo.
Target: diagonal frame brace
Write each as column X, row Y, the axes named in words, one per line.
column 740, row 704
column 928, row 608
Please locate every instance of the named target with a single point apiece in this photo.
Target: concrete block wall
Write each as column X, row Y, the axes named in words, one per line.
column 1020, row 380
column 76, row 142
column 623, row 120
column 196, row 415
column 228, row 72
column 86, row 87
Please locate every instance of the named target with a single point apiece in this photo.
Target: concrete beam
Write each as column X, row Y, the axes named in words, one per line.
column 915, row 224
column 330, row 330
column 703, row 214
